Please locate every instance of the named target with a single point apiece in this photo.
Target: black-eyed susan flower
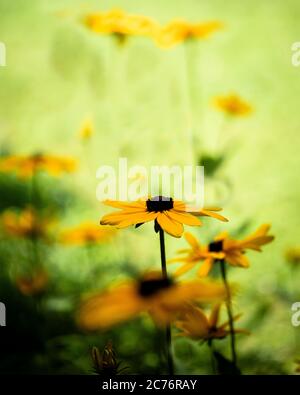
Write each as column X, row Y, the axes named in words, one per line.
column 167, row 213
column 155, row 294
column 178, row 31
column 232, row 105
column 33, row 284
column 194, row 323
column 86, row 130
column 223, row 248
column 106, row 363
column 27, row 224
column 85, row 234
column 27, row 166
column 117, row 22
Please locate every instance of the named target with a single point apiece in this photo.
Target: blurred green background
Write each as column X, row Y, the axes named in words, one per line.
column 59, row 73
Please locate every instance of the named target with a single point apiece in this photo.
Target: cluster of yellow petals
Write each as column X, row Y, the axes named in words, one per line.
column 164, row 302
column 175, row 32
column 194, row 323
column 232, row 105
column 27, row 224
column 86, row 233
column 118, row 22
column 27, row 166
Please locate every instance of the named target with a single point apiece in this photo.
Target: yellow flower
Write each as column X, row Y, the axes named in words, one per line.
column 195, row 324
column 167, row 213
column 86, row 233
column 26, row 166
column 26, row 224
column 222, row 248
column 293, row 255
column 178, row 31
column 232, row 105
column 34, row 284
column 161, row 297
column 118, row 22
column 86, row 129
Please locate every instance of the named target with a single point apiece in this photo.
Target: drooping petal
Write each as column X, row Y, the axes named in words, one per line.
column 184, row 268
column 206, row 267
column 171, row 226
column 184, row 218
column 193, row 242
column 214, row 315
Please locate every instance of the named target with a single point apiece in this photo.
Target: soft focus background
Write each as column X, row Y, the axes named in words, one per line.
column 60, row 74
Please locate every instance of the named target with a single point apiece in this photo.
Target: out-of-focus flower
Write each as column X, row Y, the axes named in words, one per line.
column 297, row 361
column 86, row 233
column 27, row 166
column 232, row 105
column 178, row 31
column 26, row 224
column 161, row 297
column 292, row 255
column 33, row 284
column 121, row 24
column 86, row 130
column 106, row 364
column 167, row 213
column 195, row 324
column 222, row 248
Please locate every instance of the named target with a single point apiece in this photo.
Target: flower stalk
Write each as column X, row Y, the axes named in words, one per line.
column 229, row 312
column 168, row 327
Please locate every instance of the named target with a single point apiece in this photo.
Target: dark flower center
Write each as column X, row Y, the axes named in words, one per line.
column 159, row 203
column 216, row 246
column 152, row 286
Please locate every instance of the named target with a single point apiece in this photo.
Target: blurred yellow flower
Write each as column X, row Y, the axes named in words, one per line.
column 167, row 213
column 161, row 297
column 293, row 255
column 222, row 248
column 34, row 284
column 86, row 233
column 233, row 105
column 26, row 166
column 86, row 130
column 26, row 224
column 195, row 324
column 178, row 31
column 120, row 23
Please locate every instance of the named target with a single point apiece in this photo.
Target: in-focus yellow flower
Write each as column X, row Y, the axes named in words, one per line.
column 195, row 324
column 86, row 233
column 26, row 224
column 120, row 23
column 26, row 166
column 167, row 213
column 86, row 130
column 293, row 255
column 178, row 31
column 222, row 248
column 34, row 284
column 232, row 105
column 161, row 297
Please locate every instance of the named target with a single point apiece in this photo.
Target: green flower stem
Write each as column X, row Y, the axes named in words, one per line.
column 168, row 327
column 229, row 311
column 213, row 362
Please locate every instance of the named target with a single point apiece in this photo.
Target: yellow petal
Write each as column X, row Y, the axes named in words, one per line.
column 206, row 267
column 184, row 218
column 172, row 227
